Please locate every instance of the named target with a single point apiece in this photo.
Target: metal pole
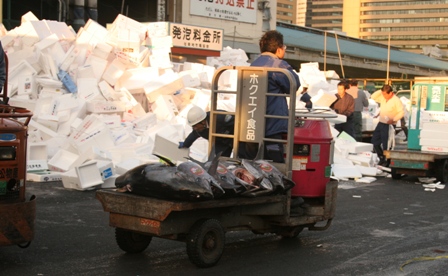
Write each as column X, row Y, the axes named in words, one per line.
column 388, row 60
column 325, row 51
column 122, row 6
column 339, row 53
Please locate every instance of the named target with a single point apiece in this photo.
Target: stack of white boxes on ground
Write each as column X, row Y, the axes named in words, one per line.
column 103, row 98
column 434, row 130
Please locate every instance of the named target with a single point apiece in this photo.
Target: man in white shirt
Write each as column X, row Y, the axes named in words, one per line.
column 391, row 111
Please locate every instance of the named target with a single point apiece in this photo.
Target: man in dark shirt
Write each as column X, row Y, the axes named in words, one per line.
column 199, row 120
column 272, row 52
column 344, row 105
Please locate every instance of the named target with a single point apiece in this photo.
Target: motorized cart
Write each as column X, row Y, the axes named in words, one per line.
column 17, row 215
column 202, row 225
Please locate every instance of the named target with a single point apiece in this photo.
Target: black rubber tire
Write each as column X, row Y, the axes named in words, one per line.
column 394, row 174
column 291, row 232
column 205, row 243
column 442, row 170
column 131, row 242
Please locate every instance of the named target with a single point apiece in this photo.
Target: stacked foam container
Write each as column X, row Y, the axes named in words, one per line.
column 105, row 100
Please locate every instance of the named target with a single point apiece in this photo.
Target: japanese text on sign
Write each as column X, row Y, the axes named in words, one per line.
column 235, row 10
column 251, row 122
column 196, row 37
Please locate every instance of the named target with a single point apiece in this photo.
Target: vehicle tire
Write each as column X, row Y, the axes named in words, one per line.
column 131, row 242
column 205, row 242
column 442, row 170
column 291, row 232
column 394, row 174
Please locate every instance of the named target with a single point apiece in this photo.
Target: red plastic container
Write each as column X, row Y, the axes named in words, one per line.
column 312, row 157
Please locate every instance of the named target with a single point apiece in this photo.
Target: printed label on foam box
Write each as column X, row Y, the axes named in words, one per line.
column 36, row 165
column 434, row 149
column 105, row 106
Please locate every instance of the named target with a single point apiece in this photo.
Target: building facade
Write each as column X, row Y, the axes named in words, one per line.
column 412, row 25
column 325, row 15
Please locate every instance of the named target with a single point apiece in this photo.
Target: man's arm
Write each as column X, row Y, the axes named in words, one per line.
column 193, row 136
column 365, row 101
column 283, row 81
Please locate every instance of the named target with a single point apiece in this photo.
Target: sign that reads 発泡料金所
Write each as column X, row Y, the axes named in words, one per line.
column 188, row 36
column 234, row 10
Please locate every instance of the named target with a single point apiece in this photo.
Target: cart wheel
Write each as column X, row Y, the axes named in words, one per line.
column 291, row 232
column 205, row 242
column 442, row 170
column 394, row 174
column 131, row 242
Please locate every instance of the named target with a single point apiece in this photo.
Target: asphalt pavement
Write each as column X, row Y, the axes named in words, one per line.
column 379, row 228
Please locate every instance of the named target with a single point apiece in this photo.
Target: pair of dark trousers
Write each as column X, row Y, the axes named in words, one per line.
column 346, row 127
column 380, row 138
column 357, row 125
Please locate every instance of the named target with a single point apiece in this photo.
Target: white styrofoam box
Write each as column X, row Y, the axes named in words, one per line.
column 199, row 150
column 123, row 166
column 99, row 136
column 98, row 65
column 160, row 58
column 157, row 29
column 106, row 169
column 165, row 108
column 202, row 98
column 89, row 175
column 63, row 161
column 106, row 90
column 111, row 120
column 361, row 160
column 36, row 165
column 164, row 85
column 45, row 132
column 441, row 142
column 123, row 152
column 110, row 182
column 439, row 127
column 69, row 58
column 123, row 22
column 88, row 89
column 149, row 119
column 442, row 131
column 29, row 16
column 102, row 50
column 25, row 103
column 345, row 171
column 27, row 85
column 57, row 52
column 340, row 159
column 323, row 99
column 44, row 176
column 227, row 81
column 123, row 136
column 46, row 42
column 138, row 59
column 156, row 42
column 434, row 149
column 97, row 106
column 85, row 71
column 427, row 116
column 206, row 76
column 361, row 147
column 370, row 171
column 169, row 149
column 133, row 79
column 37, row 151
column 190, row 78
column 22, row 69
column 70, row 179
column 49, row 121
column 113, row 72
column 198, row 67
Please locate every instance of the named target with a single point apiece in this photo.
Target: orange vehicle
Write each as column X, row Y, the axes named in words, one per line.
column 17, row 215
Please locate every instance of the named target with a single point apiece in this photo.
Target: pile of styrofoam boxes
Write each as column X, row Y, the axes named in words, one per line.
column 353, row 160
column 100, row 97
